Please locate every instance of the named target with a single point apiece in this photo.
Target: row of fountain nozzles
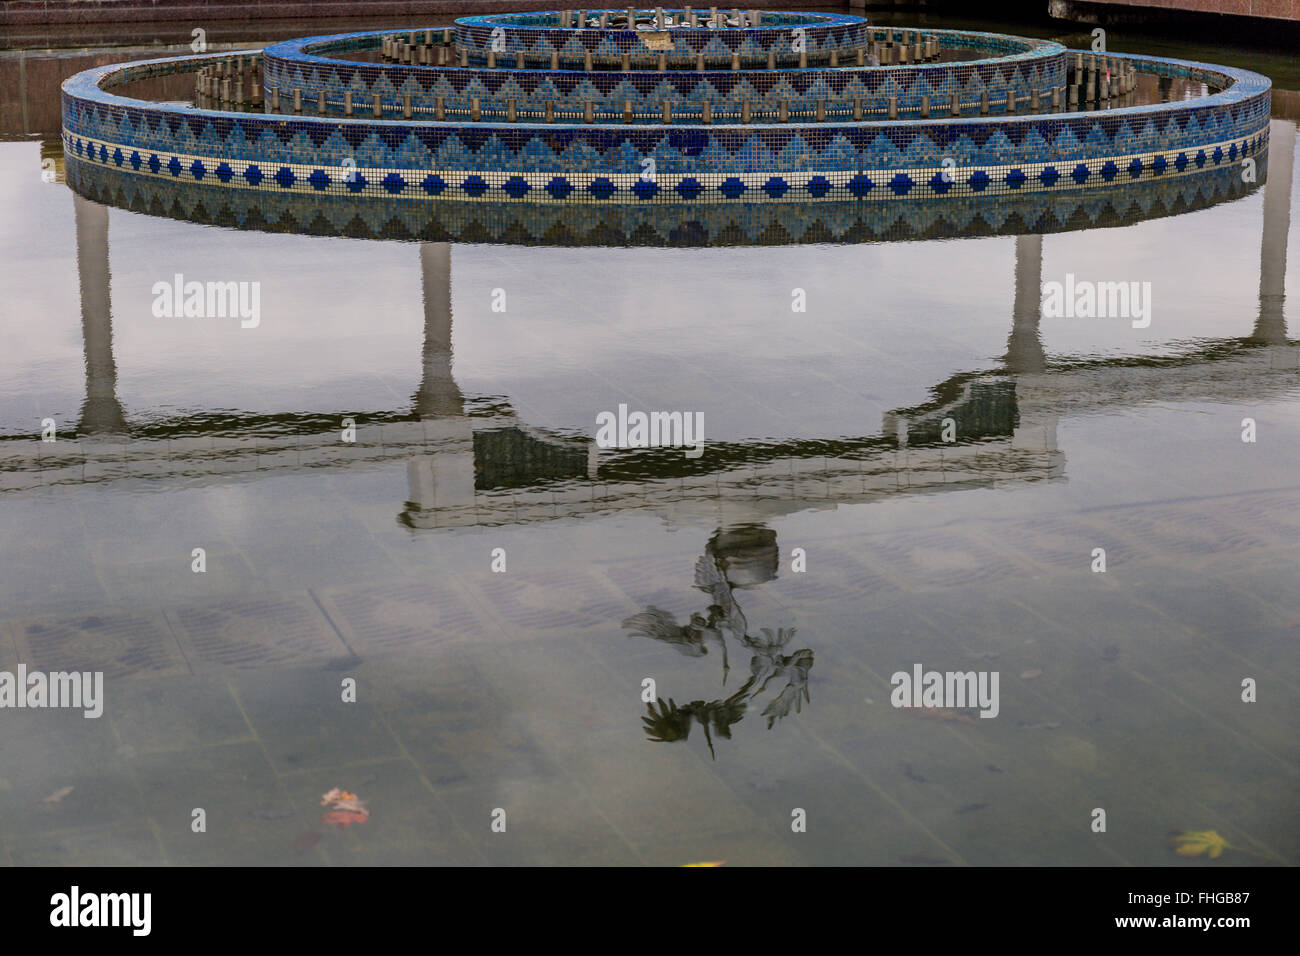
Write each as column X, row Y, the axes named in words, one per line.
column 222, row 82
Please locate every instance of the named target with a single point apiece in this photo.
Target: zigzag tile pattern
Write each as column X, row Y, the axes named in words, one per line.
column 1022, row 67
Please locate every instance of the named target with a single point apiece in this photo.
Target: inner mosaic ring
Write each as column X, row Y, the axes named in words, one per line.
column 1026, row 68
column 418, row 159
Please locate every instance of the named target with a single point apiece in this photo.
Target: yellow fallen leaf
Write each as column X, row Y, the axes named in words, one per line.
column 711, row 863
column 1199, row 843
column 58, row 795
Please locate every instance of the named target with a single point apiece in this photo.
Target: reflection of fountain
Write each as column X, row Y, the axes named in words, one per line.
column 738, row 557
column 100, row 412
column 445, row 478
column 1270, row 329
column 1024, row 346
column 460, row 461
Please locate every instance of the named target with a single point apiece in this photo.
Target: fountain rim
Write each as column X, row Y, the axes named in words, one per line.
column 92, row 86
column 631, row 215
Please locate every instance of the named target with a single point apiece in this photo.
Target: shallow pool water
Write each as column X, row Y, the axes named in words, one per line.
column 496, row 592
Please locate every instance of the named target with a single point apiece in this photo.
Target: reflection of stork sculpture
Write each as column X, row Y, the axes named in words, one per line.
column 734, row 558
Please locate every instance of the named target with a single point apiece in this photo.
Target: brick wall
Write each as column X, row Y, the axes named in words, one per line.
column 17, row 13
column 1271, row 9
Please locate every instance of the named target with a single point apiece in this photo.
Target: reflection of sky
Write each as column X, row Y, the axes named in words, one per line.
column 585, row 329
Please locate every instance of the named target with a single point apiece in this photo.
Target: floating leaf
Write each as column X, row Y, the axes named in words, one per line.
column 58, row 795
column 1199, row 843
column 345, row 818
column 710, row 863
column 345, row 808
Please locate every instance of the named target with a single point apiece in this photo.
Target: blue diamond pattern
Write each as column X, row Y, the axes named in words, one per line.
column 689, row 188
column 732, row 188
column 860, row 185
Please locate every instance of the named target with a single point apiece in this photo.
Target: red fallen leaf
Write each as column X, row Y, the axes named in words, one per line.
column 345, row 818
column 306, row 841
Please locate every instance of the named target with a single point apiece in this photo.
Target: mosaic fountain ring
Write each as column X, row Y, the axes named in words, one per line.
column 1029, row 70
column 803, row 159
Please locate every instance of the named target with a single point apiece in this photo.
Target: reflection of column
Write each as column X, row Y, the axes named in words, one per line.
column 1025, row 357
column 1270, row 328
column 438, row 395
column 101, row 411
column 1025, row 347
column 443, row 479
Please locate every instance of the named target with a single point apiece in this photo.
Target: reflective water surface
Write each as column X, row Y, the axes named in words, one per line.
column 827, row 537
